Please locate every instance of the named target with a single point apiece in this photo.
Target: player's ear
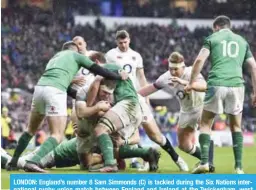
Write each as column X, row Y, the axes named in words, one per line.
column 97, row 61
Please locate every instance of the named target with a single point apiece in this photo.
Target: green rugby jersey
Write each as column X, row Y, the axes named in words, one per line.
column 228, row 52
column 62, row 68
column 124, row 88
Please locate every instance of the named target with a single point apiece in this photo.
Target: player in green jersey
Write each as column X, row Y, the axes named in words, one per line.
column 49, row 99
column 225, row 86
column 126, row 113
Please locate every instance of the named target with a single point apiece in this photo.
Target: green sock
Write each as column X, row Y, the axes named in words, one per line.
column 127, row 151
column 4, row 160
column 22, row 144
column 237, row 138
column 106, row 147
column 204, row 140
column 44, row 149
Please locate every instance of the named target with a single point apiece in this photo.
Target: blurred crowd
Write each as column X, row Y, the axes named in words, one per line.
column 165, row 8
column 31, row 37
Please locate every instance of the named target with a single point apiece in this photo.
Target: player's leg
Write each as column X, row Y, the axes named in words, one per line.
column 155, row 135
column 205, row 141
column 237, row 137
column 123, row 114
column 35, row 119
column 56, row 115
column 234, row 107
column 147, row 154
column 5, row 158
column 213, row 104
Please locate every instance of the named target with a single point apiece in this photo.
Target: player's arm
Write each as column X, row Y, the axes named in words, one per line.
column 198, row 64
column 252, row 67
column 160, row 83
column 84, row 111
column 93, row 90
column 85, row 62
column 147, row 90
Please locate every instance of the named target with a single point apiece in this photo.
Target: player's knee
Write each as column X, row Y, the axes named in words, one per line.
column 104, row 126
column 184, row 145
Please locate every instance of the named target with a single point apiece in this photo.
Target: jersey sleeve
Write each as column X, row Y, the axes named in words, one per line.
column 109, row 57
column 207, row 43
column 81, row 94
column 83, row 61
column 162, row 81
column 248, row 53
column 140, row 62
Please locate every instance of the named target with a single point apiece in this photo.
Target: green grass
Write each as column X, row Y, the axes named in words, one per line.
column 223, row 160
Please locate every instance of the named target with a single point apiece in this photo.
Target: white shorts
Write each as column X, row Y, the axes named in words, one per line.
column 221, row 99
column 49, row 101
column 147, row 115
column 129, row 112
column 190, row 119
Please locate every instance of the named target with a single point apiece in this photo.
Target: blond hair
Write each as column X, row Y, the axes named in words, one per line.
column 175, row 57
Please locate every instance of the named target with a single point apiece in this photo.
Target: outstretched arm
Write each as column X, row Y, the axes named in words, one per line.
column 147, row 90
column 198, row 64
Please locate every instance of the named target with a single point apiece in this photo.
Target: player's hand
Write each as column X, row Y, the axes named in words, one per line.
column 101, row 113
column 178, row 80
column 188, row 88
column 103, row 106
column 80, row 81
column 253, row 97
column 124, row 75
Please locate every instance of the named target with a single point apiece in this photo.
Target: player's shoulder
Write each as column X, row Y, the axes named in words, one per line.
column 112, row 51
column 165, row 76
column 134, row 53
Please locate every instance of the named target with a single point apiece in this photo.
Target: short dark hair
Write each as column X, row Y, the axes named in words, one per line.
column 122, row 34
column 68, row 45
column 98, row 55
column 222, row 21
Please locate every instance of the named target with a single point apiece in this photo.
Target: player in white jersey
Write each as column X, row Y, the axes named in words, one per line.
column 191, row 104
column 131, row 62
column 83, row 77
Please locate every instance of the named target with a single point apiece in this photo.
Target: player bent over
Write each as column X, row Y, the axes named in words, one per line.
column 191, row 104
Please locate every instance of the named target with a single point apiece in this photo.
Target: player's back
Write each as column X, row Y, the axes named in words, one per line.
column 124, row 88
column 130, row 61
column 228, row 52
column 60, row 70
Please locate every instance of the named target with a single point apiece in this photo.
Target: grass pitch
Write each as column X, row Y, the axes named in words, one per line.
column 223, row 160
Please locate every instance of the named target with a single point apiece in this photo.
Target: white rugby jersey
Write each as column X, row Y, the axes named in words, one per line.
column 130, row 61
column 89, row 77
column 188, row 102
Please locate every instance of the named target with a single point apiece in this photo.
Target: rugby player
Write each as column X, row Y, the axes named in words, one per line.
column 225, row 86
column 191, row 104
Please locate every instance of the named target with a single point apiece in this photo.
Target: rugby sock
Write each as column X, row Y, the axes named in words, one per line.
column 168, row 148
column 204, row 140
column 196, row 152
column 211, row 149
column 127, row 151
column 237, row 138
column 106, row 147
column 45, row 148
column 4, row 160
column 22, row 144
